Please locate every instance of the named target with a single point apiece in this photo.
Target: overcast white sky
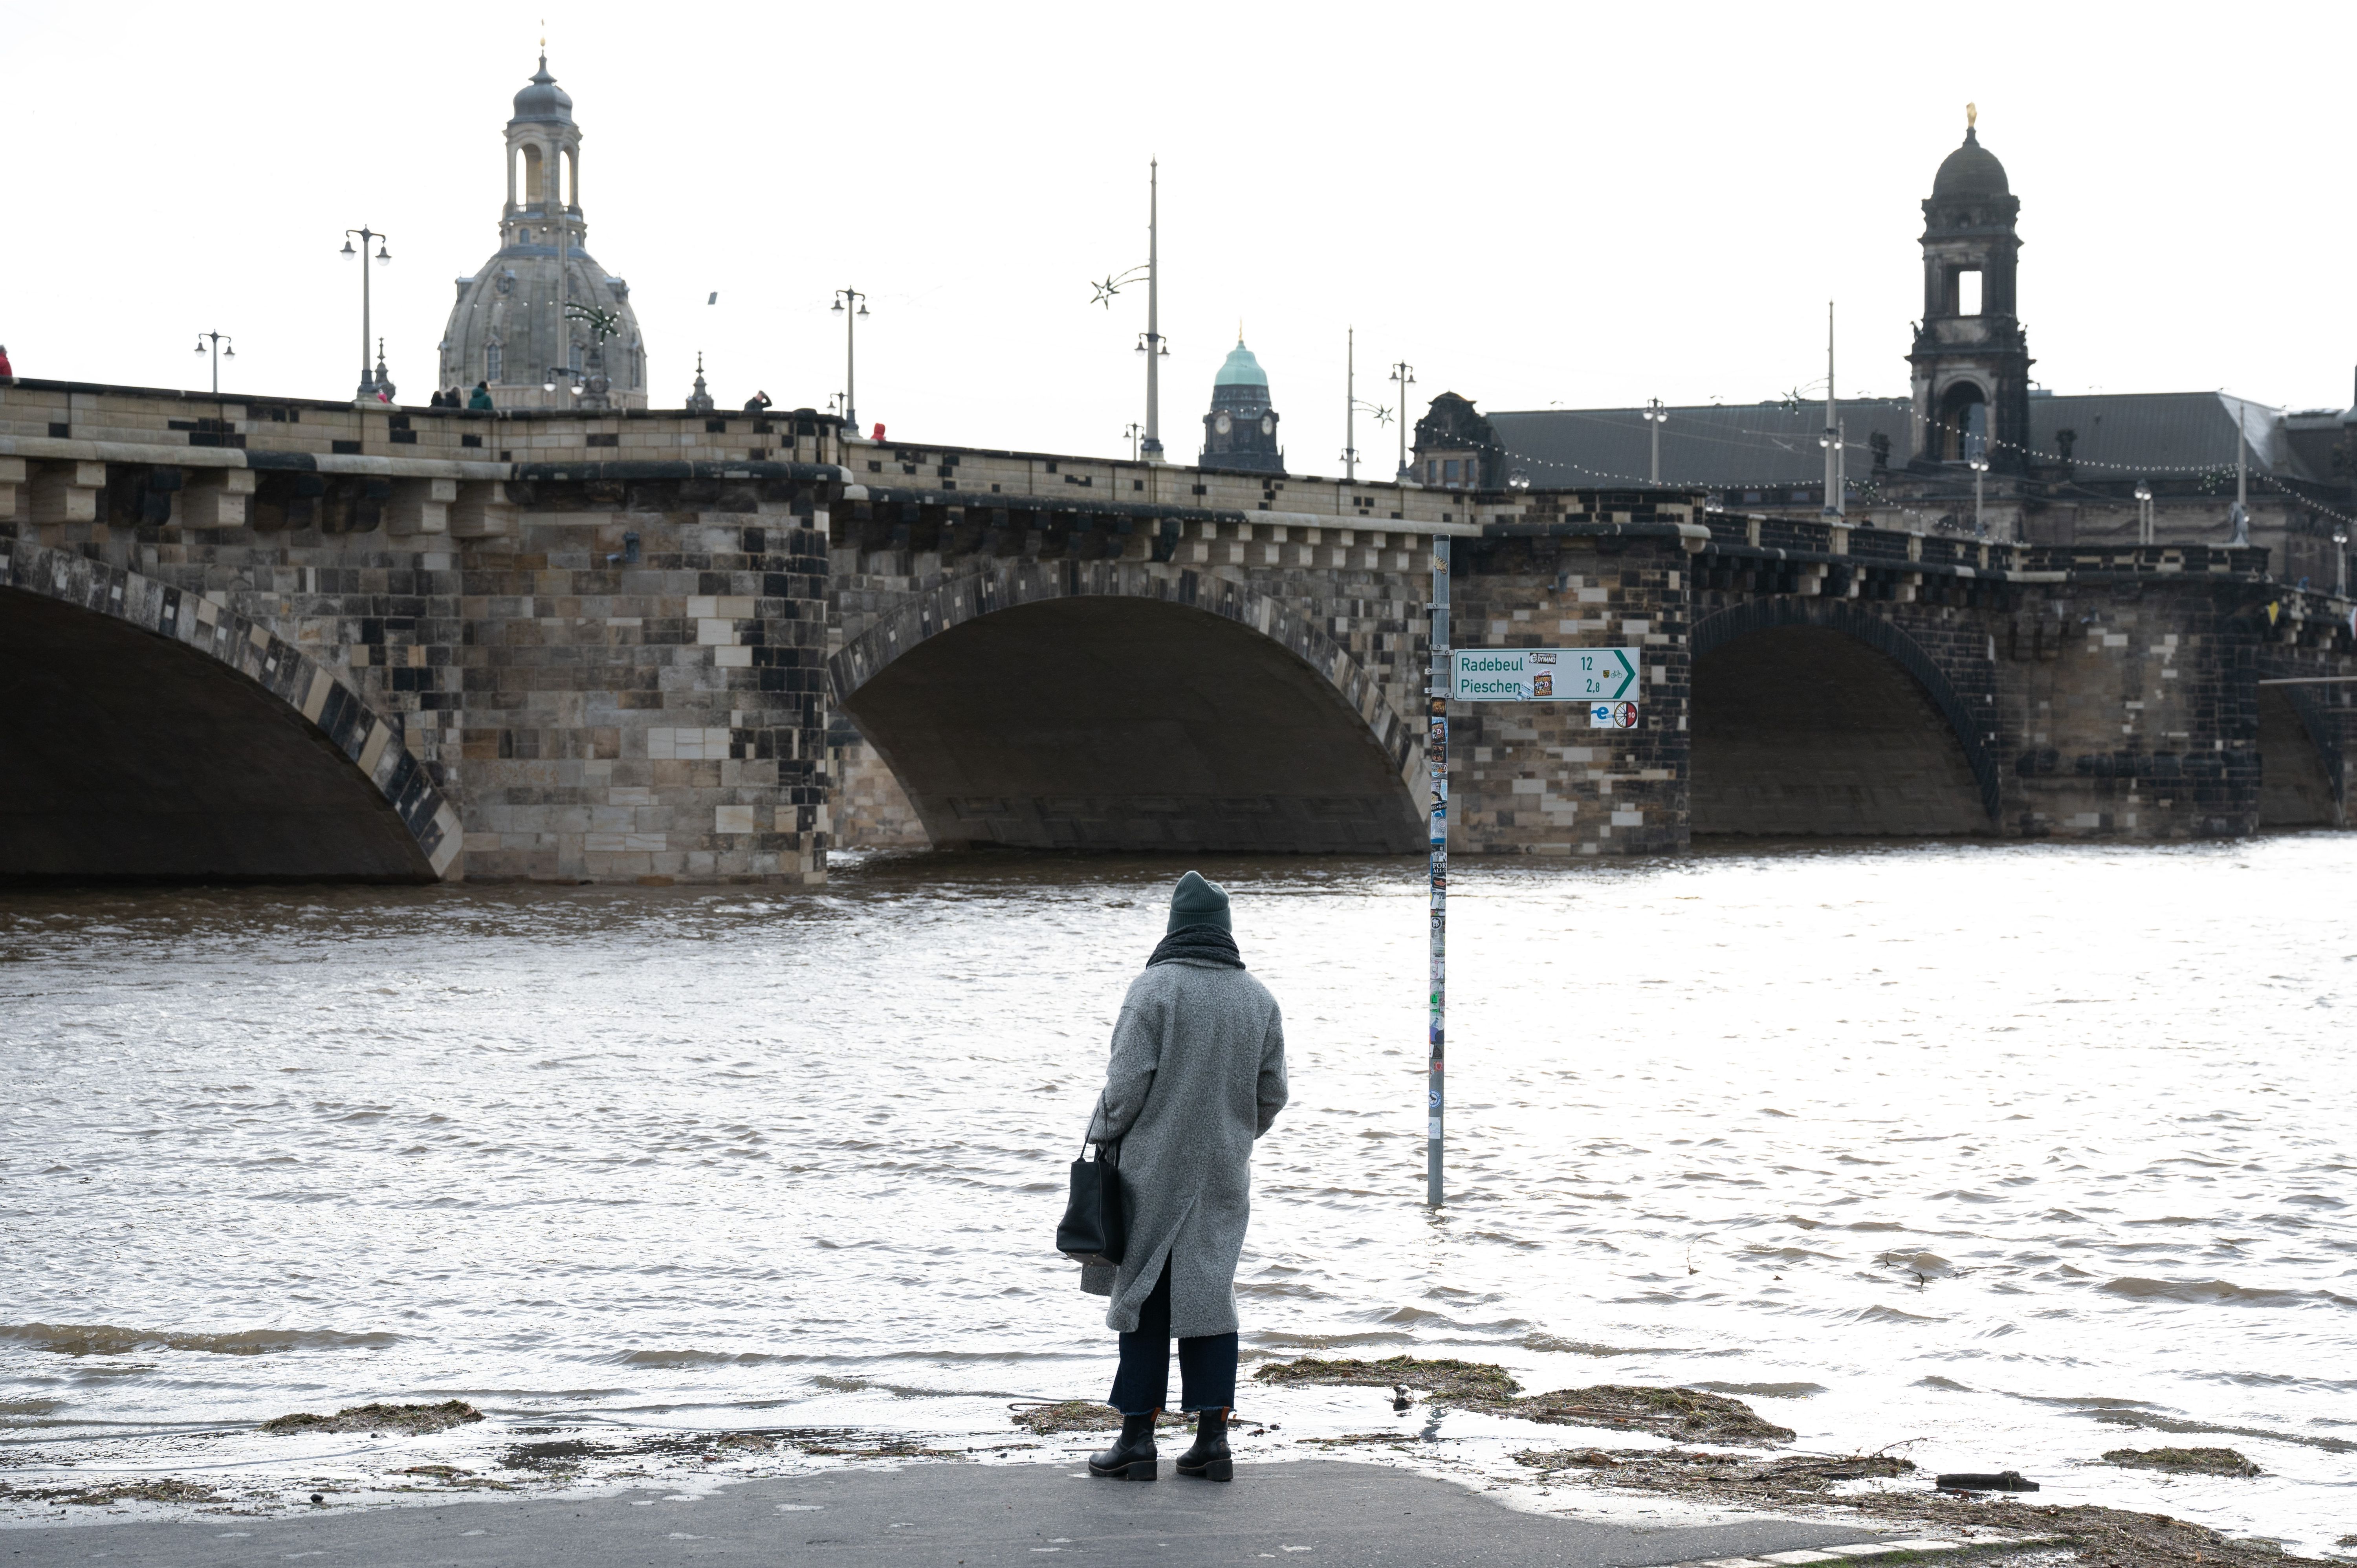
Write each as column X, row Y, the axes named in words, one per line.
column 1539, row 204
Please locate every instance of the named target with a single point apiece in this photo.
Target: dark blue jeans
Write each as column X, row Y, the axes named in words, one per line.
column 1207, row 1364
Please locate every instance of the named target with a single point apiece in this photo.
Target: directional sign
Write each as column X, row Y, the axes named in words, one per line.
column 1543, row 675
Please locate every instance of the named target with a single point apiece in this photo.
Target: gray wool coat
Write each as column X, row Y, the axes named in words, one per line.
column 1197, row 1075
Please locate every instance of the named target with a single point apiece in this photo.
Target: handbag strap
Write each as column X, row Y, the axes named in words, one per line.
column 1086, row 1140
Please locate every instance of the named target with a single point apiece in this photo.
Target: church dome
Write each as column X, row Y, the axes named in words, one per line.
column 541, row 100
column 1241, row 369
column 540, row 323
column 1971, row 170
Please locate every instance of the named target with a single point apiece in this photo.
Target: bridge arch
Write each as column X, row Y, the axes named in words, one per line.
column 1106, row 706
column 145, row 733
column 1813, row 716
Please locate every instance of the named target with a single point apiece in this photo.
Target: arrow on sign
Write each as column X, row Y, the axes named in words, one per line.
column 1627, row 673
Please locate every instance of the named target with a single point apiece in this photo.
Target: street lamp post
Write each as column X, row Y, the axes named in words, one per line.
column 1402, row 376
column 2340, row 560
column 1351, row 406
column 216, row 340
column 1153, row 345
column 1656, row 416
column 1133, row 430
column 2241, row 516
column 853, row 305
column 1354, row 406
column 1837, row 481
column 1979, row 467
column 2144, row 512
column 368, row 377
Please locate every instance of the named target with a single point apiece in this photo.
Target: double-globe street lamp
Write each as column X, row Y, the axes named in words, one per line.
column 1979, row 466
column 857, row 302
column 369, row 388
column 217, row 339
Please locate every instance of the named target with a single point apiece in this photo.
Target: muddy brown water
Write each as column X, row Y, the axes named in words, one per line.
column 2008, row 1155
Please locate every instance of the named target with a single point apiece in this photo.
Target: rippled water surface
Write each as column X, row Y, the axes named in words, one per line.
column 2017, row 1153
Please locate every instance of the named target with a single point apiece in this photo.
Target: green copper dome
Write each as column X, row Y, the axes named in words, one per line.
column 1241, row 369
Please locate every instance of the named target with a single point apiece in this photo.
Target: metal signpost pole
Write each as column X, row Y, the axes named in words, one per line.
column 1604, row 680
column 1436, row 757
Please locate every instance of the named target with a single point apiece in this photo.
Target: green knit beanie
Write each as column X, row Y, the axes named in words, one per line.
column 1196, row 902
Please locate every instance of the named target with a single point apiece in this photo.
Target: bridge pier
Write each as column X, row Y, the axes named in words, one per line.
column 1533, row 778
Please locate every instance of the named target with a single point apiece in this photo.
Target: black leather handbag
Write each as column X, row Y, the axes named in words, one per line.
column 1096, row 1222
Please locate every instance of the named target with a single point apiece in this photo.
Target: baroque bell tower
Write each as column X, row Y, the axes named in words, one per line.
column 1971, row 357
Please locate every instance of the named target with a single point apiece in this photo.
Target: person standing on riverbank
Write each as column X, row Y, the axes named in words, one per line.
column 1197, row 1076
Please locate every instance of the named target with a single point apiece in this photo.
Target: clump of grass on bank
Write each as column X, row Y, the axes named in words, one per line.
column 413, row 1419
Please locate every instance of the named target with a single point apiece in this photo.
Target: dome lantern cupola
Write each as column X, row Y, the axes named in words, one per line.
column 541, row 102
column 531, row 315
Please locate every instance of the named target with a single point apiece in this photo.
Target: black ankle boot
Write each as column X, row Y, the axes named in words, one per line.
column 1132, row 1456
column 1209, row 1458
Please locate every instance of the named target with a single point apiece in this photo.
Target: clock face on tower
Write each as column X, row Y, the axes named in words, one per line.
column 1268, row 425
column 1223, row 424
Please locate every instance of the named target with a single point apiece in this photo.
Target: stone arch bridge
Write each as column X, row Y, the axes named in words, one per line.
column 242, row 638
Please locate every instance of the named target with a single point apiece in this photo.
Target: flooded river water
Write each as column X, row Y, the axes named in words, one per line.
column 2013, row 1155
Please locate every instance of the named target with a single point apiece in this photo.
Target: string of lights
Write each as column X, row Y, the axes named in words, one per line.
column 2216, row 470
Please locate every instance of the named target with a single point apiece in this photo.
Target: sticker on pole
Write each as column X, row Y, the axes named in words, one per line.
column 1611, row 716
column 1542, row 674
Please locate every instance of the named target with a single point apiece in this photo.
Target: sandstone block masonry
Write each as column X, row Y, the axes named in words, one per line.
column 1573, row 570
column 606, row 669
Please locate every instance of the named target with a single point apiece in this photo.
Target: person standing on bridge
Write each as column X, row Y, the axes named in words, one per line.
column 1197, row 1076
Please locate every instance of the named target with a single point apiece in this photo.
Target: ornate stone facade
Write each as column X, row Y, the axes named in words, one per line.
column 529, row 319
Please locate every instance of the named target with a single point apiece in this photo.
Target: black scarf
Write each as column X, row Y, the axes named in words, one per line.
column 1204, row 944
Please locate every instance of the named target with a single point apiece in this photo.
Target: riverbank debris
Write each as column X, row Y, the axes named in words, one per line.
column 1687, row 1414
column 2100, row 1537
column 2184, row 1461
column 1687, row 1472
column 1980, row 1481
column 412, row 1420
column 1440, row 1380
column 108, row 1494
column 1050, row 1418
